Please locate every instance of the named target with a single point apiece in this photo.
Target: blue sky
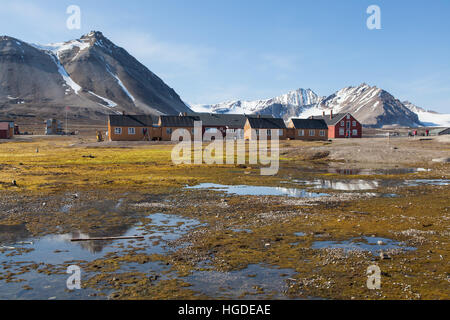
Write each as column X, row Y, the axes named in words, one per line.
column 212, row 51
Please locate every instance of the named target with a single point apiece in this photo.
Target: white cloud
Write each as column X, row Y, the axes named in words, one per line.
column 149, row 49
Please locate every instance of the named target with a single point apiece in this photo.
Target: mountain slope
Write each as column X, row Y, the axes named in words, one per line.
column 24, row 70
column 91, row 75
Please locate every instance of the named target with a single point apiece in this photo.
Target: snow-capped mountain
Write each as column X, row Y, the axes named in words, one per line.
column 373, row 106
column 91, row 75
column 428, row 117
column 284, row 106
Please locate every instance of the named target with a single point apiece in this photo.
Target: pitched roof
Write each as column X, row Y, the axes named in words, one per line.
column 266, row 123
column 4, row 125
column 232, row 121
column 133, row 120
column 309, row 124
column 330, row 121
column 178, row 121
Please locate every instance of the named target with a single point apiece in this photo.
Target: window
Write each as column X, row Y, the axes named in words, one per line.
column 354, row 123
column 211, row 130
column 269, row 132
column 341, row 132
column 322, row 133
column 342, row 123
column 355, row 132
column 131, row 130
column 257, row 132
column 169, row 130
column 348, row 117
column 280, row 133
column 301, row 133
column 118, row 130
column 348, row 124
column 312, row 133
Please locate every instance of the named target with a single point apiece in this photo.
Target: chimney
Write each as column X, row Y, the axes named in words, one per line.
column 331, row 114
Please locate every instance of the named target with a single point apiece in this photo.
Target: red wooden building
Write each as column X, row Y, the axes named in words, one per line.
column 341, row 125
column 6, row 129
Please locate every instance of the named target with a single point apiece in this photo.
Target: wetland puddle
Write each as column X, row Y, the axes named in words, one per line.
column 363, row 185
column 349, row 185
column 18, row 252
column 373, row 245
column 257, row 281
column 245, row 190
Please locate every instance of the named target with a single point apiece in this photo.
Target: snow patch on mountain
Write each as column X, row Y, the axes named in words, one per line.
column 60, row 47
column 429, row 118
column 72, row 84
column 110, row 103
column 123, row 86
column 53, row 50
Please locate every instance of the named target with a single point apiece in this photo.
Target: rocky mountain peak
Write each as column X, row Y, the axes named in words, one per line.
column 91, row 75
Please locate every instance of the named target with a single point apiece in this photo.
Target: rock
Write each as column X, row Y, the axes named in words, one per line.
column 380, row 243
column 442, row 160
column 384, row 256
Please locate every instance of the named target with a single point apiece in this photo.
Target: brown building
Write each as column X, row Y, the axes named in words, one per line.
column 169, row 124
column 133, row 128
column 308, row 129
column 260, row 124
column 6, row 129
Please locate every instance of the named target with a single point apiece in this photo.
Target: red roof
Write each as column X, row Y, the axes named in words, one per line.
column 4, row 125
